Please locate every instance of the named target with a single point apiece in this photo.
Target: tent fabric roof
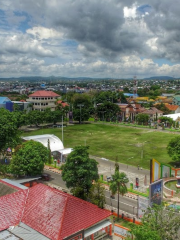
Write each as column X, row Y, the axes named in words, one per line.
column 44, row 93
column 53, row 213
column 55, row 142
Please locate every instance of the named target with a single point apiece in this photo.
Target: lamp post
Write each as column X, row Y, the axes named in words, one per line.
column 62, row 129
column 103, row 115
column 80, row 105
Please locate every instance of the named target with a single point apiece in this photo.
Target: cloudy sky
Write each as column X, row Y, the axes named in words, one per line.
column 90, row 38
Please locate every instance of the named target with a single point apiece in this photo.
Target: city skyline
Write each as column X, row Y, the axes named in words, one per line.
column 105, row 38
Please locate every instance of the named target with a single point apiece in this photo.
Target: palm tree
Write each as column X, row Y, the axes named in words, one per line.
column 118, row 185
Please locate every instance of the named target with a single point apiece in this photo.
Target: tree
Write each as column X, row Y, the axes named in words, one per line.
column 144, row 233
column 108, row 111
column 173, row 149
column 158, row 223
column 166, row 119
column 35, row 117
column 118, row 184
column 96, row 194
column 79, row 171
column 9, row 133
column 29, row 159
column 142, row 118
column 81, row 107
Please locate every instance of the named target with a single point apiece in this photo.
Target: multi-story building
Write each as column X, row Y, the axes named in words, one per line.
column 43, row 99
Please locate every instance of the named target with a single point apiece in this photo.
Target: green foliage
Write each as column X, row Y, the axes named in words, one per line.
column 142, row 118
column 9, row 134
column 158, row 223
column 137, row 192
column 173, row 149
column 96, row 194
column 142, row 232
column 166, row 119
column 109, row 96
column 29, row 159
column 35, row 117
column 82, row 113
column 108, row 111
column 118, row 184
column 79, row 171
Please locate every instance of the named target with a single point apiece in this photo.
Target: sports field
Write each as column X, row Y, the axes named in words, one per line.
column 129, row 145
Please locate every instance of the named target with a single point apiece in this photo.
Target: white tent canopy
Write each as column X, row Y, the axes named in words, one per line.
column 174, row 116
column 55, row 143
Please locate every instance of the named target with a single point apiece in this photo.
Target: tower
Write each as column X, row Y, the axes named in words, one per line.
column 135, row 87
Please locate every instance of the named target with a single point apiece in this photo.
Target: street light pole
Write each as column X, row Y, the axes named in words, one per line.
column 62, row 128
column 80, row 105
column 103, row 115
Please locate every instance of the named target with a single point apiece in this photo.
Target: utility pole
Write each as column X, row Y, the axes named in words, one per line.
column 80, row 105
column 62, row 129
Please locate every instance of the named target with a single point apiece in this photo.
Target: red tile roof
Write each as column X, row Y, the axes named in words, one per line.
column 49, row 211
column 64, row 104
column 172, row 107
column 44, row 93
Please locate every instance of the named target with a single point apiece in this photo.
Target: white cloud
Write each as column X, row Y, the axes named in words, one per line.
column 89, row 38
column 130, row 12
column 44, row 33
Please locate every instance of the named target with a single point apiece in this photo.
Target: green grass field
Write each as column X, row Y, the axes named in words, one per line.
column 130, row 145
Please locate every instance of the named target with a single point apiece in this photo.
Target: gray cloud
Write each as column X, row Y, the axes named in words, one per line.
column 95, row 34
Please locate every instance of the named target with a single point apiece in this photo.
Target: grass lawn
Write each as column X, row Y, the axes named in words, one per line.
column 130, row 145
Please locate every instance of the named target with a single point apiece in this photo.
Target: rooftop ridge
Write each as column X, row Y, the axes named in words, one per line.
column 10, row 185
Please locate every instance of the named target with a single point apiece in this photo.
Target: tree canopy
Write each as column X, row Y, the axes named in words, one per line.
column 29, row 159
column 173, row 149
column 108, row 111
column 142, row 118
column 158, row 223
column 79, row 171
column 9, row 133
column 96, row 194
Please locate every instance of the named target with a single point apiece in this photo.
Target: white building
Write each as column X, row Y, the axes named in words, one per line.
column 56, row 145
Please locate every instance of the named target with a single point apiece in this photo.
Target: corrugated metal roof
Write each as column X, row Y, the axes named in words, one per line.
column 14, row 183
column 6, row 235
column 11, row 208
column 51, row 212
column 27, row 233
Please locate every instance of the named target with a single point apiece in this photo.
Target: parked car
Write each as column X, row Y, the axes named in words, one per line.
column 46, row 176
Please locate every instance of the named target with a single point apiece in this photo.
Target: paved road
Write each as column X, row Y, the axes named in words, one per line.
column 126, row 204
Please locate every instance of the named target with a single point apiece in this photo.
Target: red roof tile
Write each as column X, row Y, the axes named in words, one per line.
column 49, row 211
column 11, row 208
column 44, row 93
column 172, row 107
column 64, row 104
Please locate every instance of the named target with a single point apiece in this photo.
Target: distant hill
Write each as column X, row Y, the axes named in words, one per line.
column 54, row 78
column 160, row 78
